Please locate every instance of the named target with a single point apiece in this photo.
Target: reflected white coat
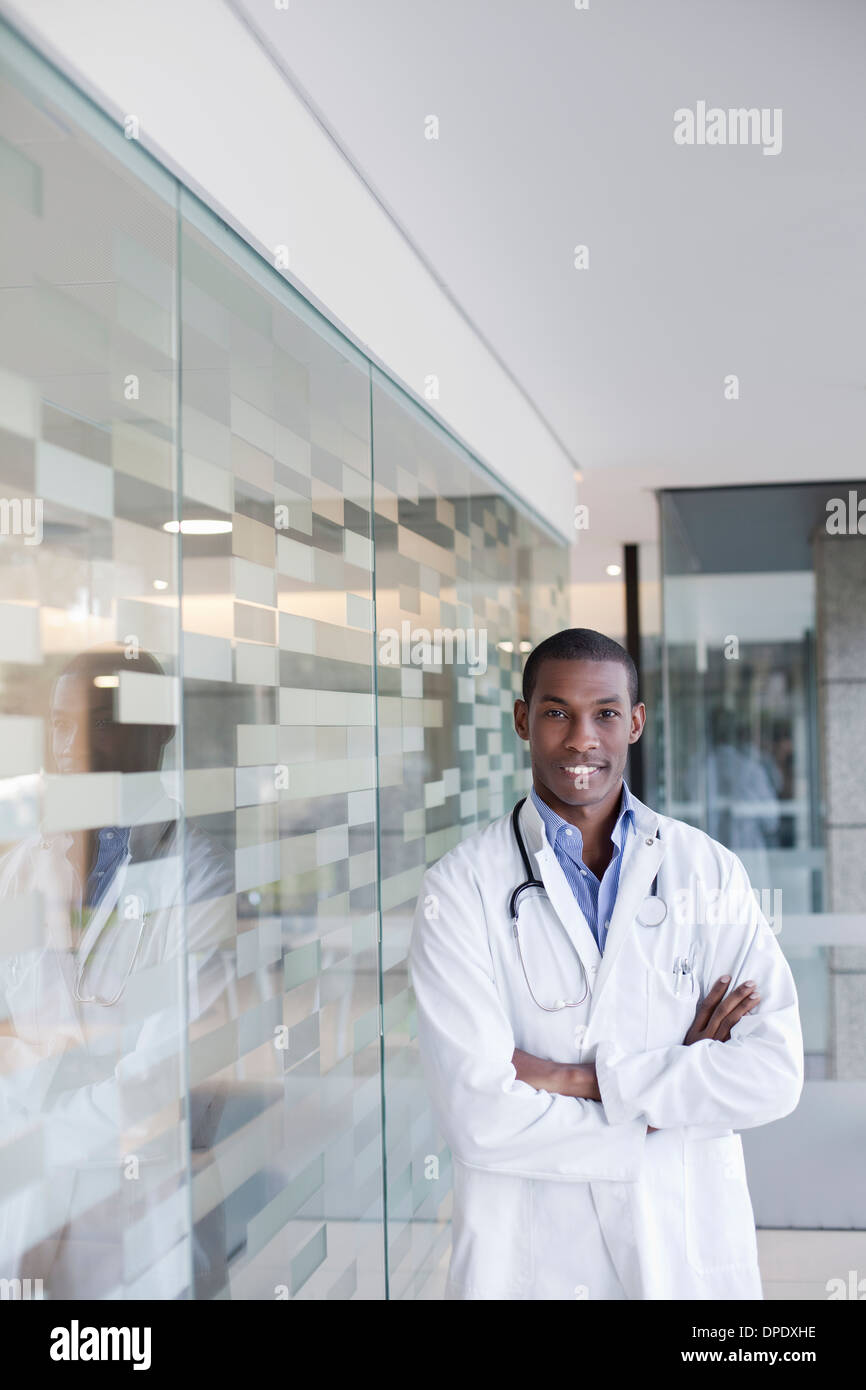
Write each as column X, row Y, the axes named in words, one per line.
column 83, row 1084
column 556, row 1197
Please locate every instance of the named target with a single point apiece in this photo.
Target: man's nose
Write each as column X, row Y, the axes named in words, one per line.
column 583, row 736
column 71, row 741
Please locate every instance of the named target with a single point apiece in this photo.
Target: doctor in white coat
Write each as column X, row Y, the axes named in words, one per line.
column 95, row 1021
column 590, row 1072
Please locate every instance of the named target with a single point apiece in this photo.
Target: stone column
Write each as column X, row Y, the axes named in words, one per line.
column 840, row 606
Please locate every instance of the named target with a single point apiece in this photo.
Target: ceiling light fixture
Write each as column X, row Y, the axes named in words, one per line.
column 200, row 527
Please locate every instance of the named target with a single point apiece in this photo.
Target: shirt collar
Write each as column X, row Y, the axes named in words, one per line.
column 554, row 823
column 115, row 832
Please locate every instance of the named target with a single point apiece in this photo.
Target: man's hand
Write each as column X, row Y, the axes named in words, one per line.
column 716, row 1015
column 535, row 1071
column 576, row 1079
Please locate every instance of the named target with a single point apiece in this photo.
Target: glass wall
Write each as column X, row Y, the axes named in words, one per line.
column 740, row 619
column 92, row 982
column 764, row 665
column 464, row 586
column 230, row 743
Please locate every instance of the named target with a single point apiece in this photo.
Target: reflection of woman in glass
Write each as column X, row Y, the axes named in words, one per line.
column 94, row 999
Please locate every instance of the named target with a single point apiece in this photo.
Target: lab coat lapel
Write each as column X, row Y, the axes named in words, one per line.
column 101, row 914
column 556, row 885
column 643, row 855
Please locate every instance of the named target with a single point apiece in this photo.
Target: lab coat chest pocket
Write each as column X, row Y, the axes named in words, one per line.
column 670, row 1012
column 719, row 1221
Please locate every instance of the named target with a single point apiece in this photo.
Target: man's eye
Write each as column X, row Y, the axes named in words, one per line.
column 555, row 711
column 614, row 712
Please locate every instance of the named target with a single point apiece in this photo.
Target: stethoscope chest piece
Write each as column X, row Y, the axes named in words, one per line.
column 652, row 912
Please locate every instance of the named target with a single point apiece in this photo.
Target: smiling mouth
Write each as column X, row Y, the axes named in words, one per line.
column 581, row 769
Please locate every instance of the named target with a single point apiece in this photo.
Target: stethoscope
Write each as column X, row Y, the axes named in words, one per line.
column 97, row 926
column 652, row 912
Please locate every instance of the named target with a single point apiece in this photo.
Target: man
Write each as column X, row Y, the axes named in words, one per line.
column 98, row 1014
column 589, row 1070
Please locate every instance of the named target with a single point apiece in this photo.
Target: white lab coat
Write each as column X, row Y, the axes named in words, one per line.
column 556, row 1197
column 84, row 1087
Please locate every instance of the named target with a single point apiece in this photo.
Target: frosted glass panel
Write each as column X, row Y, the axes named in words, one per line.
column 221, row 773
column 285, row 1097
column 93, row 1044
column 465, row 585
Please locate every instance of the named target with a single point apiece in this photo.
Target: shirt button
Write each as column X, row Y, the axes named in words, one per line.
column 593, row 970
column 607, row 925
column 580, row 1033
column 109, row 834
column 583, row 873
column 569, row 832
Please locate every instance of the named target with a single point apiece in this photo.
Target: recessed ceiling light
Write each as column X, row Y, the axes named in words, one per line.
column 160, row 583
column 526, row 646
column 105, row 682
column 613, row 570
column 505, row 646
column 202, row 527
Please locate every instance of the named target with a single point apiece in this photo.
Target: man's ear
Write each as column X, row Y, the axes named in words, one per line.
column 521, row 718
column 638, row 720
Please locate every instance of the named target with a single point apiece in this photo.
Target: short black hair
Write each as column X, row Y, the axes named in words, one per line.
column 578, row 644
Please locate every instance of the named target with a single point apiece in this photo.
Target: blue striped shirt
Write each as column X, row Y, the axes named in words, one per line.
column 595, row 897
column 112, row 844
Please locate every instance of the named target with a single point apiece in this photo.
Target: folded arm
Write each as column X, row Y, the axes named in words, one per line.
column 714, row 1018
column 489, row 1117
column 755, row 1076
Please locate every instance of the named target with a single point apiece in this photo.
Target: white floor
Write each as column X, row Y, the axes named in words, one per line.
column 800, row 1264
column 796, row 1265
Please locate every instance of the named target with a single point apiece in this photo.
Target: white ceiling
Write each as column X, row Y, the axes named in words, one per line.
column 214, row 108
column 556, row 128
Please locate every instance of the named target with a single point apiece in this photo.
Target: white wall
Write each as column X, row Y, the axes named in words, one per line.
column 213, row 107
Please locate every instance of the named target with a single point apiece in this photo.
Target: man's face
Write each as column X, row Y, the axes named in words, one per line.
column 580, row 725
column 85, row 736
column 83, row 732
